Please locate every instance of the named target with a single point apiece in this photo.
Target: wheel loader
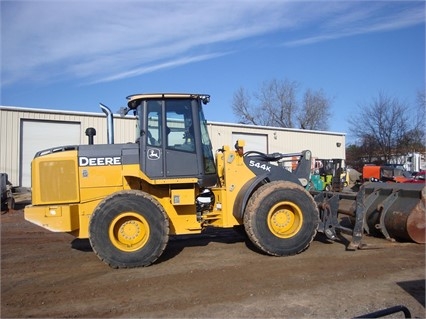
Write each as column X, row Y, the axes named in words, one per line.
column 127, row 199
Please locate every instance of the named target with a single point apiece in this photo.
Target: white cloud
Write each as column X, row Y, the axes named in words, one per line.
column 87, row 38
column 97, row 41
column 156, row 67
column 365, row 20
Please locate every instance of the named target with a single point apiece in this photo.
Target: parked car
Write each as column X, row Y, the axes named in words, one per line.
column 418, row 178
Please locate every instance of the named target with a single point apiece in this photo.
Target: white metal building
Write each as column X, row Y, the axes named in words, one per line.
column 25, row 131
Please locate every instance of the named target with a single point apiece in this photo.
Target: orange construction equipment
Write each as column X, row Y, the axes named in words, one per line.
column 383, row 174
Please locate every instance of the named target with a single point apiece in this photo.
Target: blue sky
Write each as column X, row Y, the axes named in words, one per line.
column 71, row 55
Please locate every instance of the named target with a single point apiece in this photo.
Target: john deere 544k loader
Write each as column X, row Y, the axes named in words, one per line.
column 128, row 198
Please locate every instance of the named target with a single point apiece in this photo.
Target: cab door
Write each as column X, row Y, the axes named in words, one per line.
column 168, row 144
column 152, row 139
column 181, row 158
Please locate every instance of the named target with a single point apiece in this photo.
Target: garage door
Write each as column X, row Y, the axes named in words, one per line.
column 254, row 142
column 40, row 135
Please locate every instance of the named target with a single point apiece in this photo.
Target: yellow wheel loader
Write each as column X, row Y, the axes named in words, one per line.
column 127, row 199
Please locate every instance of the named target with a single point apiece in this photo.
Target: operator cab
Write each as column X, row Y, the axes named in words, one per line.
column 173, row 137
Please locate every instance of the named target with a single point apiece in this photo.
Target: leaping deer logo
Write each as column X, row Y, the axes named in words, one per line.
column 153, row 154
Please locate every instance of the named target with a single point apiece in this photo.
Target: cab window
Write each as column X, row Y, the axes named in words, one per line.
column 154, row 113
column 179, row 126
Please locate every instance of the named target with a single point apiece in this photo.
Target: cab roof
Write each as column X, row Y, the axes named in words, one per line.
column 145, row 96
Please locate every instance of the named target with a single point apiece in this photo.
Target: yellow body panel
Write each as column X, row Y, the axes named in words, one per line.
column 233, row 175
column 95, row 176
column 101, row 181
column 183, row 196
column 183, row 219
column 56, row 218
column 177, row 196
column 97, row 193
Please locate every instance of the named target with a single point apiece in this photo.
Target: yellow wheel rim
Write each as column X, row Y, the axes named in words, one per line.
column 285, row 219
column 129, row 231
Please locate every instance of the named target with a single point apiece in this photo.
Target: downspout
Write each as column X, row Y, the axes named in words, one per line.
column 110, row 123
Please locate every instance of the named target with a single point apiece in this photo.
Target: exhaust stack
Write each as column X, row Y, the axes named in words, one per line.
column 110, row 123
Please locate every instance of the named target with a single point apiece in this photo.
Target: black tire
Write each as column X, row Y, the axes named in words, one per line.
column 281, row 218
column 129, row 229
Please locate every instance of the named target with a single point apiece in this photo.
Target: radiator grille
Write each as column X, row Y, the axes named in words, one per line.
column 58, row 181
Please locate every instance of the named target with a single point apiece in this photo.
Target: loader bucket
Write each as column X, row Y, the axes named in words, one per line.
column 394, row 210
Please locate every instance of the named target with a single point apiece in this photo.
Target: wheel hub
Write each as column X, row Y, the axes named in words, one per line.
column 285, row 219
column 282, row 220
column 129, row 231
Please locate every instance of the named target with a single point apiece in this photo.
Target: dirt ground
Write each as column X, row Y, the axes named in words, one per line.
column 213, row 275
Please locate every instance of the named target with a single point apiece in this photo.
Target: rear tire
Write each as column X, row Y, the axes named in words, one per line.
column 129, row 229
column 281, row 218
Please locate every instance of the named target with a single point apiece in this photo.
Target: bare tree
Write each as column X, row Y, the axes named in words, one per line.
column 420, row 120
column 276, row 104
column 278, row 100
column 384, row 121
column 241, row 105
column 315, row 111
column 414, row 139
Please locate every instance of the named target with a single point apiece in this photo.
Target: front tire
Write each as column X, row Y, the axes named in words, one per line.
column 281, row 218
column 129, row 229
